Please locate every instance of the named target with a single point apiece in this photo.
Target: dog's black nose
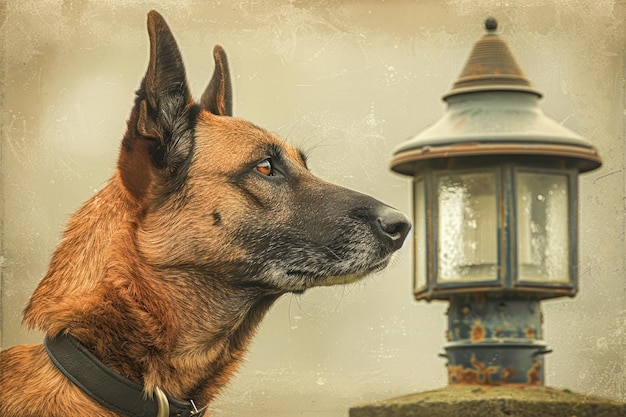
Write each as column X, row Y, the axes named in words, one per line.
column 393, row 225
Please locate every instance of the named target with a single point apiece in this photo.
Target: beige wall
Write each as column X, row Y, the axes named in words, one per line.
column 349, row 80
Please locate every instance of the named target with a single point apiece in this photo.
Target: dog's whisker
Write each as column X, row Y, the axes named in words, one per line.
column 332, row 252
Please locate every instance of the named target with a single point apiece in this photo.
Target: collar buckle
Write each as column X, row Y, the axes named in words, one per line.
column 162, row 403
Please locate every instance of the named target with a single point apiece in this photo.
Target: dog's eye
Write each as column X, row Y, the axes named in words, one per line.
column 265, row 167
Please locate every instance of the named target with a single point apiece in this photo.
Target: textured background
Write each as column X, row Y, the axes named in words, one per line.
column 348, row 80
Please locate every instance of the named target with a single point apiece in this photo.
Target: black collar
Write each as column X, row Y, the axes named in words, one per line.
column 108, row 388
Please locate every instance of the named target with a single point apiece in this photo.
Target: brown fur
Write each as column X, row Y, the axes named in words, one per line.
column 166, row 272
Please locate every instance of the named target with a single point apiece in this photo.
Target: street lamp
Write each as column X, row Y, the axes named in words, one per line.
column 495, row 188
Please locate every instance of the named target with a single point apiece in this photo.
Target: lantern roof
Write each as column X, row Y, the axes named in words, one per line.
column 493, row 111
column 491, row 66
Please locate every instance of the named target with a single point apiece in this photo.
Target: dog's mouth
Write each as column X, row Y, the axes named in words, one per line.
column 305, row 279
column 357, row 276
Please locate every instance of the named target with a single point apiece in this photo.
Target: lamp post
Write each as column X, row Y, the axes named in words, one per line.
column 495, row 216
column 495, row 206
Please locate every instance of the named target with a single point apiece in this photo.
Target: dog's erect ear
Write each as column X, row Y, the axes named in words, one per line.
column 218, row 96
column 161, row 126
column 165, row 86
column 164, row 97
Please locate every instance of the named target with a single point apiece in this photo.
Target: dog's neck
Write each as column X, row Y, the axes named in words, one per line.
column 219, row 327
column 192, row 340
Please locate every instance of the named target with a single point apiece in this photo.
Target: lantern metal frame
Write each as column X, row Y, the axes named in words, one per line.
column 506, row 171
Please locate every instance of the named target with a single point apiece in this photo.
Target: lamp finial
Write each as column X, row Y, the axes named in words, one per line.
column 491, row 24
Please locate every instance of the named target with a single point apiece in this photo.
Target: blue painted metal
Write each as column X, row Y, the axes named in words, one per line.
column 495, row 340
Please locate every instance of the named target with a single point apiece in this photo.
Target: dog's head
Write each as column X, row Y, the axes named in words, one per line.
column 231, row 201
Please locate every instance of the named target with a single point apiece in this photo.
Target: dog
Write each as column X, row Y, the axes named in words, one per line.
column 162, row 277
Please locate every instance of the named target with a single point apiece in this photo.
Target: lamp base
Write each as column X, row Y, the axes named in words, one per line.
column 495, row 339
column 493, row 401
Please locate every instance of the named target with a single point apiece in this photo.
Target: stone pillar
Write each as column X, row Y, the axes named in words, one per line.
column 493, row 401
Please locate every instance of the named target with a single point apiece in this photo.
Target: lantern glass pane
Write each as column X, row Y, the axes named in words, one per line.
column 420, row 235
column 543, row 250
column 467, row 227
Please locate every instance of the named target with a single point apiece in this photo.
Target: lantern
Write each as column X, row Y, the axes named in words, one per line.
column 495, row 195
